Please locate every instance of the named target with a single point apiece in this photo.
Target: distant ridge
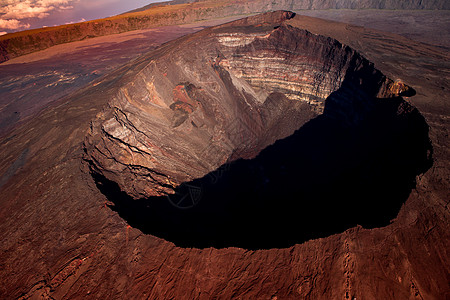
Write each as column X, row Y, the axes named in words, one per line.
column 327, row 4
column 155, row 4
column 180, row 12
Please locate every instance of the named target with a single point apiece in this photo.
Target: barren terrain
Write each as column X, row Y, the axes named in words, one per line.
column 63, row 238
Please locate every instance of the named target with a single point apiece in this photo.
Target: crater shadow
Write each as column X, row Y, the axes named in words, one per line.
column 325, row 178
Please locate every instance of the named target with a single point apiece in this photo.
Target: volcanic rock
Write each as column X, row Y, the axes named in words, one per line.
column 225, row 93
column 61, row 240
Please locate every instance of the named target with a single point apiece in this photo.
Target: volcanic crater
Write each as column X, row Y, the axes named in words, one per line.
column 256, row 134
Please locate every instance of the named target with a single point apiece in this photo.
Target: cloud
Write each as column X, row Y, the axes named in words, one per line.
column 12, row 11
column 24, row 10
column 13, row 24
column 79, row 21
column 18, row 9
column 23, row 14
column 65, row 7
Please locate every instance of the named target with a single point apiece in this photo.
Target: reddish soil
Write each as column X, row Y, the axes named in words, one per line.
column 61, row 240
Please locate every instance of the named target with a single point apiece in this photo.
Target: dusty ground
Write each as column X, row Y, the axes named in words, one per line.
column 59, row 239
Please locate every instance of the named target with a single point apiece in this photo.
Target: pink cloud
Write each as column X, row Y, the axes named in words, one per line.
column 13, row 11
column 16, row 9
column 13, row 24
column 23, row 14
column 79, row 21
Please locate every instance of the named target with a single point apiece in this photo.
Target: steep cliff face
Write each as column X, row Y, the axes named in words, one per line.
column 223, row 94
column 21, row 43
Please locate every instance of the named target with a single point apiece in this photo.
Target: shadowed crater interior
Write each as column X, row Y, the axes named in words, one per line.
column 325, row 178
column 256, row 134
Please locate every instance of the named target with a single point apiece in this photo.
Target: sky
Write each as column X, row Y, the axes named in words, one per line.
column 18, row 15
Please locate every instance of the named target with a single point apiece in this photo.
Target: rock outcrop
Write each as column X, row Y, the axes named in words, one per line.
column 222, row 94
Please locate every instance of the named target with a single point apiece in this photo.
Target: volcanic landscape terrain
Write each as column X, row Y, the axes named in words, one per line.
column 277, row 156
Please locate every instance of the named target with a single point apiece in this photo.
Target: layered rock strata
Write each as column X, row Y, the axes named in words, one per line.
column 222, row 94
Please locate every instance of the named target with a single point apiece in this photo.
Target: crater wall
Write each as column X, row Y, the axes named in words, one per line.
column 223, row 94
